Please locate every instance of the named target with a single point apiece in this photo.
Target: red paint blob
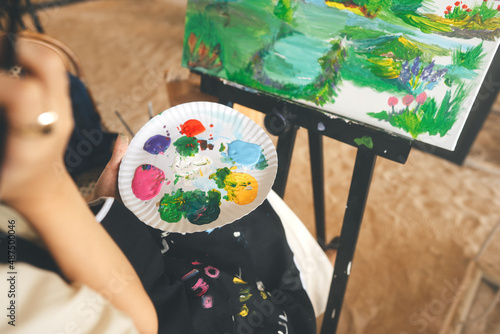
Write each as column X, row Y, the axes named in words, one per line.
column 192, row 128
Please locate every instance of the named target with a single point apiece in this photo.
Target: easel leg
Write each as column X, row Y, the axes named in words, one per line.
column 356, row 202
column 286, row 143
column 318, row 182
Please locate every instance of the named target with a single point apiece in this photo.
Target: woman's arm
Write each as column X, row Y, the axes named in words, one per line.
column 35, row 183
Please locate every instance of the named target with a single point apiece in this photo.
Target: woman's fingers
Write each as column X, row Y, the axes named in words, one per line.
column 107, row 185
column 44, row 88
column 44, row 64
column 119, row 151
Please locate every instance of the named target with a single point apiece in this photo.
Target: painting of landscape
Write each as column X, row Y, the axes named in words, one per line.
column 409, row 67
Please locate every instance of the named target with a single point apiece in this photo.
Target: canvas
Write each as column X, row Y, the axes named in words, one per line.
column 409, row 67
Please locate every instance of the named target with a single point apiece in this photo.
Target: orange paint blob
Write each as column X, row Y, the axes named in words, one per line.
column 192, row 128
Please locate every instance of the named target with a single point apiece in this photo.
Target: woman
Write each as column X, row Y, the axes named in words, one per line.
column 33, row 183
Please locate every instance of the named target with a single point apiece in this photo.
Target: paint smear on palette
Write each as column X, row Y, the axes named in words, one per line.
column 197, row 206
column 242, row 188
column 204, row 145
column 192, row 128
column 157, row 144
column 191, row 168
column 147, row 182
column 247, row 154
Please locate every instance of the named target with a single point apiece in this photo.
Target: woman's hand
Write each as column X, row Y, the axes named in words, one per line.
column 107, row 185
column 33, row 162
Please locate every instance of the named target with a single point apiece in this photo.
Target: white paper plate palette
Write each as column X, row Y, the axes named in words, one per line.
column 195, row 167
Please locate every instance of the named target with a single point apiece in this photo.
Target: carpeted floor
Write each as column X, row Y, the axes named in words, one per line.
column 424, row 221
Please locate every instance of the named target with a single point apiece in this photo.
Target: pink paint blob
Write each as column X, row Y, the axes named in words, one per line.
column 207, row 301
column 147, row 182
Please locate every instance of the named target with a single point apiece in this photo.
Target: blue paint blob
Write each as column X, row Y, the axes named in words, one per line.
column 244, row 153
column 157, row 144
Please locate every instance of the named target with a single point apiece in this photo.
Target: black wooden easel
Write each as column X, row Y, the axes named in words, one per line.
column 284, row 119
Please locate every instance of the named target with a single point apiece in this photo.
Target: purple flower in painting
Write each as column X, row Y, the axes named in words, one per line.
column 408, row 99
column 405, row 74
column 438, row 75
column 427, row 71
column 416, row 66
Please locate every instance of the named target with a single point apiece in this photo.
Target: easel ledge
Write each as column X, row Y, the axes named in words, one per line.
column 386, row 145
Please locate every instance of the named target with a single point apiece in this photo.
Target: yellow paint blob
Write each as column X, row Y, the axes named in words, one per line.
column 237, row 280
column 244, row 311
column 241, row 188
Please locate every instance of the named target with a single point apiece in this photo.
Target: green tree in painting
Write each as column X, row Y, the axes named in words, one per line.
column 406, row 6
column 284, row 11
column 201, row 48
column 324, row 87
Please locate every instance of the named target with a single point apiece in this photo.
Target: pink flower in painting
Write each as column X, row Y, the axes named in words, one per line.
column 408, row 99
column 446, row 12
column 458, row 3
column 421, row 98
column 392, row 101
column 449, row 8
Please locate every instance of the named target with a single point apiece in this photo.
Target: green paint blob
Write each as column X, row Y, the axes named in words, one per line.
column 222, row 147
column 366, row 141
column 172, row 206
column 187, row 146
column 203, row 208
column 198, row 207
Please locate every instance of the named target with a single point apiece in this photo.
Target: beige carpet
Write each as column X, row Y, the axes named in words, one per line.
column 424, row 220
